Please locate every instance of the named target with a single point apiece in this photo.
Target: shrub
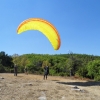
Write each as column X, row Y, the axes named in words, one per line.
column 52, row 72
column 97, row 78
column 62, row 74
column 2, row 69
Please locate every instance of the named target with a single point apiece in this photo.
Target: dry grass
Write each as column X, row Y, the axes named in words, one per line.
column 33, row 87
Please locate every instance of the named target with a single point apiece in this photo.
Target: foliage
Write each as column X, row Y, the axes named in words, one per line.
column 60, row 64
column 82, row 72
column 93, row 68
column 2, row 69
column 5, row 62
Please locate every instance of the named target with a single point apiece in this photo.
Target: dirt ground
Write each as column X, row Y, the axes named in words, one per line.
column 33, row 87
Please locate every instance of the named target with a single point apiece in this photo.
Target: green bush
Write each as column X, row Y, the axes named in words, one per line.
column 7, row 69
column 12, row 70
column 97, row 78
column 40, row 71
column 21, row 69
column 93, row 68
column 52, row 72
column 2, row 69
column 62, row 74
column 82, row 72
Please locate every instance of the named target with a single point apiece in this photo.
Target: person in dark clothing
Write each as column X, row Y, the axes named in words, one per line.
column 46, row 72
column 15, row 70
column 25, row 70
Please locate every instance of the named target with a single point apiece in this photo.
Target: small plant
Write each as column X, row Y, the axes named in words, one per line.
column 97, row 78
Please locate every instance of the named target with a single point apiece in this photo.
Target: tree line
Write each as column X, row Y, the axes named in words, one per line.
column 82, row 65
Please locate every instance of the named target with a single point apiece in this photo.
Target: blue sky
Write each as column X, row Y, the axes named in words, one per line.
column 77, row 21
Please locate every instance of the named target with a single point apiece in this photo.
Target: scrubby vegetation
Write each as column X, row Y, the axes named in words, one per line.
column 82, row 65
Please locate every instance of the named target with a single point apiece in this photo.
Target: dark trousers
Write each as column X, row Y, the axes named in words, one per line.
column 45, row 76
column 15, row 72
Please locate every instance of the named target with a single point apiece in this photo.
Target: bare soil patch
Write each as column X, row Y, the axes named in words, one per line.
column 33, row 87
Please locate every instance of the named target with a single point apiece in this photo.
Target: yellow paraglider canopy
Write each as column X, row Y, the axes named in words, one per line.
column 43, row 26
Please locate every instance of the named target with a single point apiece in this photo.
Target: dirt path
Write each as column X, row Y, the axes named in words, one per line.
column 33, row 87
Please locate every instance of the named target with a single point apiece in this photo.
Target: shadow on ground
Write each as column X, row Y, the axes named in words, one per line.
column 88, row 83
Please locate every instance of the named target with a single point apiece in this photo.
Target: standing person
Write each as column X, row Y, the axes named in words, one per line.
column 46, row 72
column 15, row 70
column 25, row 69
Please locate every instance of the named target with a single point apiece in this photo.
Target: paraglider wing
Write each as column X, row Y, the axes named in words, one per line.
column 43, row 26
